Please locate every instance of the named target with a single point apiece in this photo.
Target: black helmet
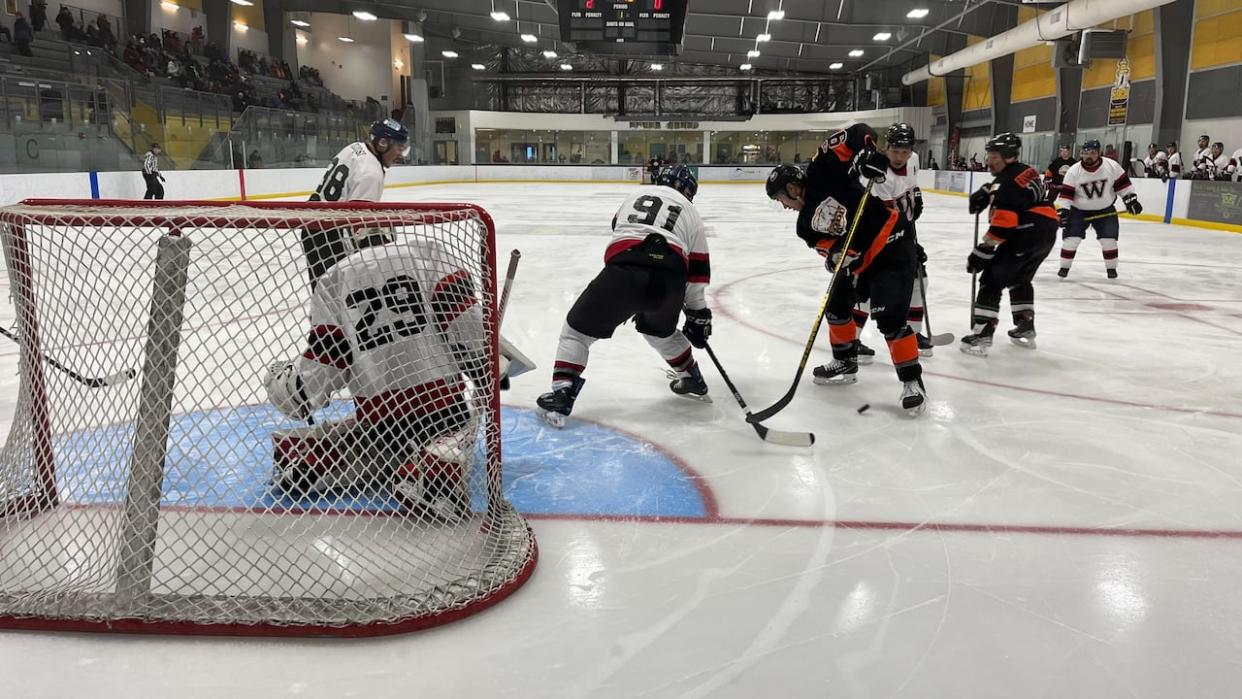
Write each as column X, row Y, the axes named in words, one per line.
column 900, row 135
column 1091, row 144
column 680, row 178
column 1007, row 144
column 782, row 175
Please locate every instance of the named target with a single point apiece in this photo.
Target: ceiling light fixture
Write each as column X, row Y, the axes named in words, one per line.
column 856, row 53
column 753, row 53
column 549, row 54
column 243, row 3
column 764, row 37
column 413, row 38
column 530, row 38
column 776, row 14
column 566, row 66
column 360, row 14
column 657, row 66
column 744, row 66
column 345, row 39
column 835, row 66
column 501, row 16
column 299, row 23
column 449, row 54
column 240, row 26
column 918, row 13
column 478, row 66
column 883, row 36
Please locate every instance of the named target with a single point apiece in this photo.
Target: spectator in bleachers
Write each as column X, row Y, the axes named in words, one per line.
column 105, row 33
column 64, row 18
column 133, row 55
column 196, row 39
column 93, row 37
column 23, row 34
column 38, row 14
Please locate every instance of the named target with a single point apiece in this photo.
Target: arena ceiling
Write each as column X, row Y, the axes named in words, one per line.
column 810, row 38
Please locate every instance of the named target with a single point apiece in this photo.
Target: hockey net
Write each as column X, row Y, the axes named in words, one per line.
column 137, row 486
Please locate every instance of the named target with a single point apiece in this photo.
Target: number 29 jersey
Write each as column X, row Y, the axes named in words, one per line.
column 664, row 211
column 396, row 323
column 355, row 174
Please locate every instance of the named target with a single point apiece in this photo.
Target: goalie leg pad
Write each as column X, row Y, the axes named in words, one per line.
column 436, row 481
column 313, row 460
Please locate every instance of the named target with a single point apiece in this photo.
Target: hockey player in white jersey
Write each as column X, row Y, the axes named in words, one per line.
column 655, row 265
column 1235, row 164
column 399, row 323
column 1176, row 170
column 899, row 190
column 1088, row 198
column 1219, row 168
column 1156, row 164
column 1201, row 165
column 355, row 174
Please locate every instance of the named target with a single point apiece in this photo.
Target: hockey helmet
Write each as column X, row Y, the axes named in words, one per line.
column 782, row 175
column 392, row 130
column 900, row 136
column 680, row 178
column 1007, row 144
column 1091, row 144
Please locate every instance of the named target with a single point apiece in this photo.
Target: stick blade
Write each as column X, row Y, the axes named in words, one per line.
column 942, row 339
column 783, row 438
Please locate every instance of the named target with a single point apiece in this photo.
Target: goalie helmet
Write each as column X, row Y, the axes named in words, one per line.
column 900, row 136
column 1007, row 144
column 782, row 175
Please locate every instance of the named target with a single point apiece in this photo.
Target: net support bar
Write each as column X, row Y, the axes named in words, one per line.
column 159, row 374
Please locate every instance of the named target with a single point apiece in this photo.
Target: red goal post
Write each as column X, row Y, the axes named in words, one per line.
column 147, row 504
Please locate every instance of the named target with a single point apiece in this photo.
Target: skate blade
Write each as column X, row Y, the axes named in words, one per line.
column 554, row 419
column 1023, row 342
column 701, row 399
column 838, row 381
column 916, row 410
column 927, row 352
column 864, row 360
column 974, row 351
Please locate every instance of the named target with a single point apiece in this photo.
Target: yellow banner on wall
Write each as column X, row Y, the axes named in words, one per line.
column 1119, row 96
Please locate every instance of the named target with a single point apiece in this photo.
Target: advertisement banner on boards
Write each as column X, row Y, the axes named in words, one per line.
column 1220, row 202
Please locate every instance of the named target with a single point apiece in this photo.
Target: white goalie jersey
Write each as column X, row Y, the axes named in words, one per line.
column 1094, row 188
column 399, row 324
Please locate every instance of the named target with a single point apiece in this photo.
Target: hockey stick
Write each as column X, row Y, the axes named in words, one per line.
column 789, row 439
column 937, row 340
column 514, row 257
column 974, row 280
column 88, row 381
column 819, row 317
column 1097, row 217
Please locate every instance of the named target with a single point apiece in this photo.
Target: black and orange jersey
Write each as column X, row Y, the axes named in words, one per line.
column 828, row 180
column 1018, row 203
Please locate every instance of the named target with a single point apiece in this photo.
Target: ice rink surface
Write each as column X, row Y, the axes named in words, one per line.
column 1063, row 523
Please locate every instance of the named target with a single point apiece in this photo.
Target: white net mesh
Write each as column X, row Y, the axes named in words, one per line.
column 159, row 475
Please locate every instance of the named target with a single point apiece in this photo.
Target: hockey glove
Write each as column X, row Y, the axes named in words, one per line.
column 981, row 199
column 917, row 209
column 847, row 267
column 980, row 258
column 1063, row 217
column 922, row 254
column 1132, row 204
column 871, row 164
column 698, row 327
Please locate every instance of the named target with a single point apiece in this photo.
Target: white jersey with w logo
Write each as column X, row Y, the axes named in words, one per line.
column 1093, row 188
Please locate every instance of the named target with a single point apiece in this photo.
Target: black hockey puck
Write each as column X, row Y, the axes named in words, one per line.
column 865, row 407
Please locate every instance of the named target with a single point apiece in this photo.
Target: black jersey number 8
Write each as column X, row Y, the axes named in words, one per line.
column 333, row 183
column 401, row 296
column 650, row 207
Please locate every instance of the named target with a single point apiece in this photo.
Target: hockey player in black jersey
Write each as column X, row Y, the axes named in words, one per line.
column 1055, row 174
column 881, row 255
column 1022, row 231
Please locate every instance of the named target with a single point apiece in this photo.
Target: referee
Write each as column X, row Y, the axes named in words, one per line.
column 151, row 173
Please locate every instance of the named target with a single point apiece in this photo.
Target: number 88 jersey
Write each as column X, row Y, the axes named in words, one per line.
column 397, row 323
column 355, row 174
column 666, row 212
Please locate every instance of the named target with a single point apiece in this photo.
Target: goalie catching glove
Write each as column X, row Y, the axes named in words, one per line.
column 698, row 327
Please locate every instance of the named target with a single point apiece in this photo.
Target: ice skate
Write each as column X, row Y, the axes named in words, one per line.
column 691, row 385
column 556, row 405
column 976, row 344
column 913, row 397
column 926, row 348
column 1023, row 334
column 838, row 372
column 866, row 355
column 1112, row 274
column 1063, row 272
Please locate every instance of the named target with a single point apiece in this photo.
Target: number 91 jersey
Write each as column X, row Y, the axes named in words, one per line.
column 666, row 212
column 355, row 174
column 396, row 323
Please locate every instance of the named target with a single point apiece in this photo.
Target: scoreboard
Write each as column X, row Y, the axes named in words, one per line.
column 636, row 27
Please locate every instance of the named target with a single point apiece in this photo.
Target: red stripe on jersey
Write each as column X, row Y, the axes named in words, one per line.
column 559, row 364
column 1122, row 182
column 418, row 401
column 453, row 296
column 327, row 345
column 619, row 246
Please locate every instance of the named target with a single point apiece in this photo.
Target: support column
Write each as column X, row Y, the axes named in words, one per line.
column 1002, row 93
column 219, row 24
column 1069, row 102
column 1174, row 23
column 137, row 18
column 420, row 99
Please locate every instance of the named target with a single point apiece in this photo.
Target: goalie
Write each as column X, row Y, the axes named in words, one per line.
column 399, row 324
